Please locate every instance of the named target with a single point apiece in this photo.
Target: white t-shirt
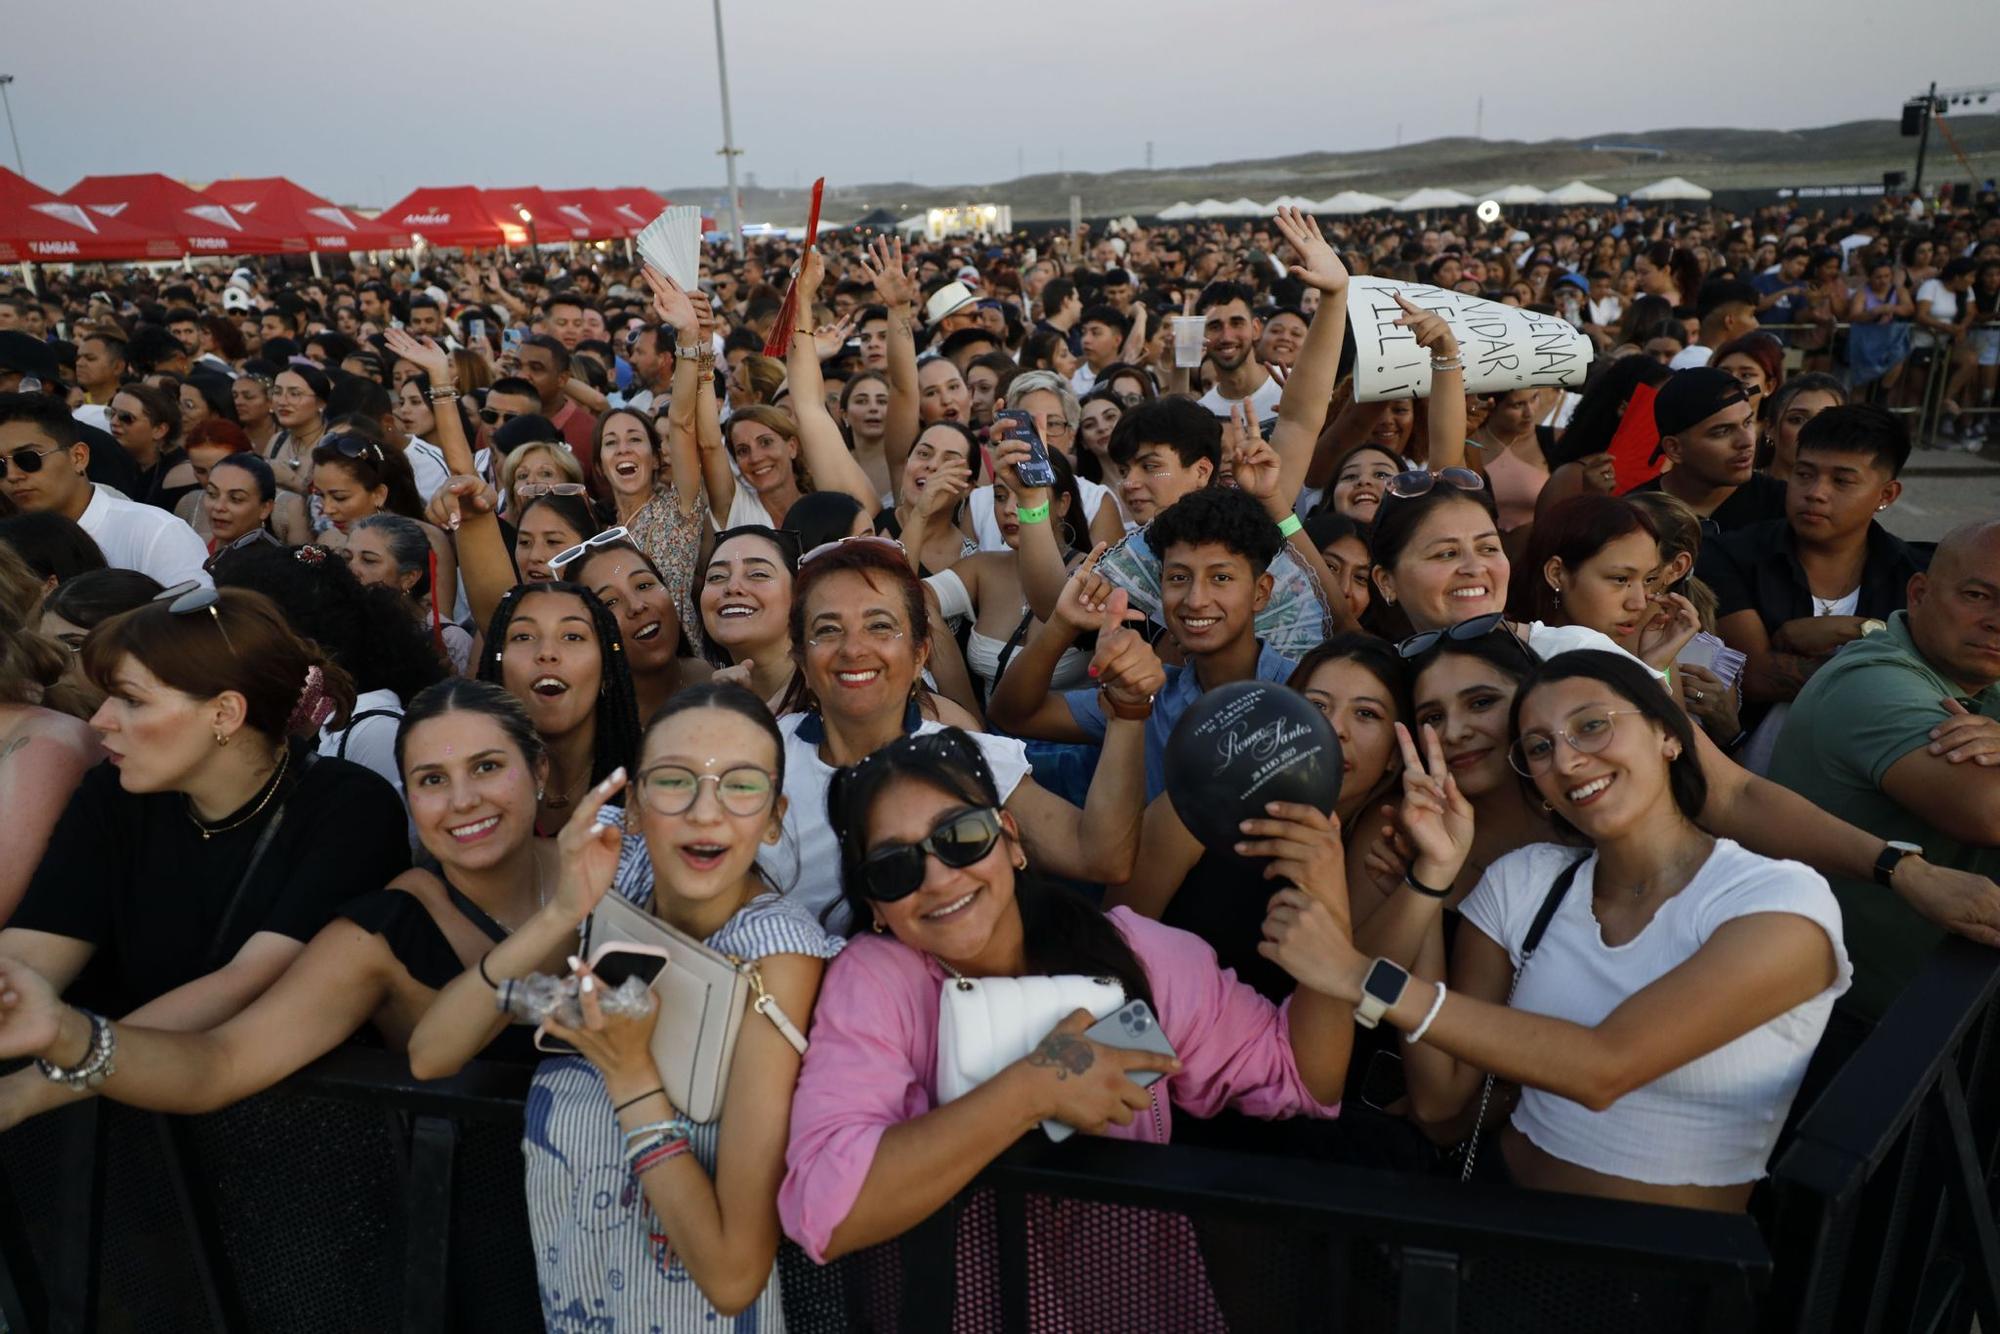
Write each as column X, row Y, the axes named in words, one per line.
column 1083, row 380
column 144, row 538
column 371, row 742
column 805, row 863
column 427, row 463
column 986, row 529
column 1713, row 1121
column 1696, row 355
column 1263, row 399
column 1943, row 303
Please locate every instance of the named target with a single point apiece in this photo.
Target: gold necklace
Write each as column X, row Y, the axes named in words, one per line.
column 210, row 831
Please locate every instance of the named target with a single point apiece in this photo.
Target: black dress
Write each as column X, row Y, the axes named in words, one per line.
column 132, row 874
column 413, row 936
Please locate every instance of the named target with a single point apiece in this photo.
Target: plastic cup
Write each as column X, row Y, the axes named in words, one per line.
column 1188, row 331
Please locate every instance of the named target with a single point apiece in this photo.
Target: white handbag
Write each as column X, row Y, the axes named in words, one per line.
column 985, row 1024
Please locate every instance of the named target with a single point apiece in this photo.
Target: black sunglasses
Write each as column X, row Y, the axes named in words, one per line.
column 495, row 416
column 26, row 460
column 354, row 447
column 1465, row 632
column 896, row 870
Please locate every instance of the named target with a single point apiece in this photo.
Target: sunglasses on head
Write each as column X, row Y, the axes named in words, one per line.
column 354, row 447
column 894, row 871
column 588, row 545
column 186, row 599
column 1419, row 481
column 1463, row 633
column 786, row 540
column 887, row 543
column 256, row 537
column 529, row 490
column 25, row 460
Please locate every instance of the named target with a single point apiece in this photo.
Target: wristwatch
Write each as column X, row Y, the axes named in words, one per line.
column 1380, row 991
column 1893, row 852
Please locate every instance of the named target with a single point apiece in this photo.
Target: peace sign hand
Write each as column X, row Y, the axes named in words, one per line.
column 828, row 338
column 1435, row 816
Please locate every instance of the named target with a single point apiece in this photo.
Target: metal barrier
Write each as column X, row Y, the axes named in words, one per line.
column 354, row 1198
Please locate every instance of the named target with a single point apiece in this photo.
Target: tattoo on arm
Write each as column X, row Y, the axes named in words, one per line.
column 1066, row 1053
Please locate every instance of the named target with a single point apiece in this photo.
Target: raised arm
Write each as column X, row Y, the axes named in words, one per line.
column 824, row 449
column 694, row 354
column 884, row 266
column 1021, row 701
column 1445, row 408
column 464, row 507
column 1302, row 408
column 437, row 364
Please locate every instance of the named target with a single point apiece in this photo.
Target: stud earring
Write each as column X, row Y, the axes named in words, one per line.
column 538, row 792
column 220, row 738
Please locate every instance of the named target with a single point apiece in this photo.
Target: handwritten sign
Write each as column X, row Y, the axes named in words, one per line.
column 1504, row 347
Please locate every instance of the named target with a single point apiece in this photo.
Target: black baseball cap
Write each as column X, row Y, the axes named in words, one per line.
column 1694, row 395
column 27, row 355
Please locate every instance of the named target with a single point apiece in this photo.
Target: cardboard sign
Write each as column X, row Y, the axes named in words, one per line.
column 1505, row 347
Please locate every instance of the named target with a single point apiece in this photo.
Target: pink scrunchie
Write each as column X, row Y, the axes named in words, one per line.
column 314, row 707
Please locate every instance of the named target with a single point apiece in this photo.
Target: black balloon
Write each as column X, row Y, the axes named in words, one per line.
column 1245, row 744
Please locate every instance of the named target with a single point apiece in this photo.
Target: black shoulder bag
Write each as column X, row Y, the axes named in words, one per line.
column 1536, row 930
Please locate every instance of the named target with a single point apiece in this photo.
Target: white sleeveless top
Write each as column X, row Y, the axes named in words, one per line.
column 1714, row 1121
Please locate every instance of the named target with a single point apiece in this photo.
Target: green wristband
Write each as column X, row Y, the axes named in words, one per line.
column 1033, row 514
column 1290, row 524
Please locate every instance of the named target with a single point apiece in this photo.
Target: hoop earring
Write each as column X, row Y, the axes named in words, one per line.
column 877, row 927
column 1069, row 533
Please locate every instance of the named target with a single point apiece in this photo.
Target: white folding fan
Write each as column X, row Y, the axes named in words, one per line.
column 671, row 243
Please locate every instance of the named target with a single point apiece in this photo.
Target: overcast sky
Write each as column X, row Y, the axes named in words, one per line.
column 386, row 95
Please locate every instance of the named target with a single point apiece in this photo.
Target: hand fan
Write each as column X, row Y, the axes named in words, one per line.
column 780, row 341
column 671, row 243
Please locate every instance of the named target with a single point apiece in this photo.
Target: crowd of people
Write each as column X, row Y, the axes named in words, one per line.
column 363, row 637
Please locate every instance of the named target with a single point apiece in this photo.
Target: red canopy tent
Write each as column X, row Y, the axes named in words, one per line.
column 633, row 206
column 455, row 216
column 545, row 222
column 305, row 220
column 37, row 225
column 156, row 203
column 589, row 210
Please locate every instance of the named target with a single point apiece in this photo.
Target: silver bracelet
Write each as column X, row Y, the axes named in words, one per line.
column 1416, row 1035
column 1440, row 365
column 97, row 1064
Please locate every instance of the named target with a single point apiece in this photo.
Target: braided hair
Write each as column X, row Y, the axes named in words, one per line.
column 616, row 718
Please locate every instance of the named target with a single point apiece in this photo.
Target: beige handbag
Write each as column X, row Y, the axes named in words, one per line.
column 702, row 995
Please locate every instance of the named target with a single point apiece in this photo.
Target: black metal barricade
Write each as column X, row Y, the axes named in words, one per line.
column 353, row 1198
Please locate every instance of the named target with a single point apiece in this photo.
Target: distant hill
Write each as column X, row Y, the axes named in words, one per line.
column 1721, row 159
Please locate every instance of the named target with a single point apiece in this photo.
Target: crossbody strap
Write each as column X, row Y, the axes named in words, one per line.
column 213, row 959
column 1536, row 930
column 767, row 1005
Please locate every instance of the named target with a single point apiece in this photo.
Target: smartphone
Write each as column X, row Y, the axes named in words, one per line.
column 611, row 965
column 476, row 329
column 1133, row 1028
column 510, row 341
column 1037, row 471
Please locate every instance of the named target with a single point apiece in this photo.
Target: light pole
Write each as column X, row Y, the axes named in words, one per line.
column 730, row 152
column 19, row 165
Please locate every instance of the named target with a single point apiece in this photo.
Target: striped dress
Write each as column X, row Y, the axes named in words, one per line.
column 600, row 1258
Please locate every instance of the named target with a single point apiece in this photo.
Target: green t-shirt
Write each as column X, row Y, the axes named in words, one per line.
column 1874, row 703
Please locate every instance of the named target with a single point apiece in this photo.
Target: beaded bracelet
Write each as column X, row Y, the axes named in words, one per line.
column 441, row 395
column 646, row 1162
column 1439, row 365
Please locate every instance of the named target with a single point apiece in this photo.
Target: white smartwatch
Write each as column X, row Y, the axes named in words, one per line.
column 1380, row 991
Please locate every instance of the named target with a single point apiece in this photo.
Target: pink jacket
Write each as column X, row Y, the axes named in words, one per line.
column 873, row 1058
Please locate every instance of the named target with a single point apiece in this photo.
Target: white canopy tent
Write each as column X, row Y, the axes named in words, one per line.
column 1576, row 192
column 1673, row 187
column 1247, row 208
column 1519, row 194
column 1353, row 201
column 1211, row 208
column 1177, row 212
column 1433, row 197
column 1289, row 201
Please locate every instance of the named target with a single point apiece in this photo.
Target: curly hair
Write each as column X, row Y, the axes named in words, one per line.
column 615, row 741
column 365, row 628
column 1219, row 514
